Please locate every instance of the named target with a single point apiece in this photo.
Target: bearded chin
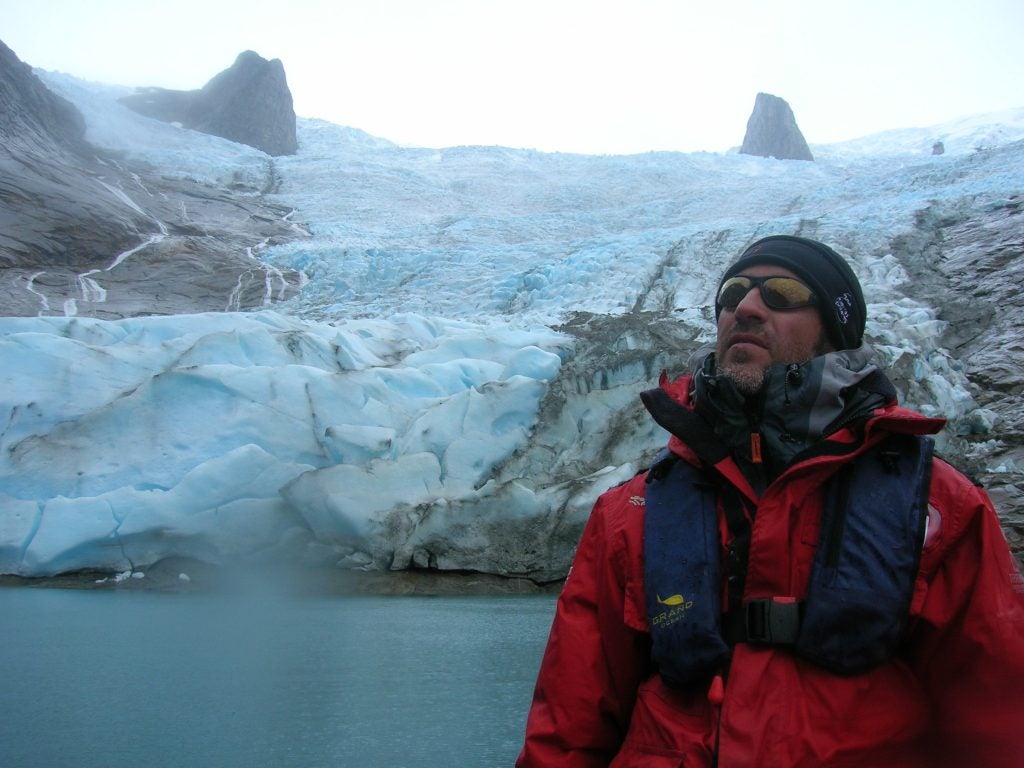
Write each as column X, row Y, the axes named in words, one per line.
column 747, row 380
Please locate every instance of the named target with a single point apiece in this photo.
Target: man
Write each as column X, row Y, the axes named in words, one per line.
column 796, row 581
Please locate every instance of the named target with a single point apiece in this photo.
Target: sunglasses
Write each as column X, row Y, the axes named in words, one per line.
column 776, row 292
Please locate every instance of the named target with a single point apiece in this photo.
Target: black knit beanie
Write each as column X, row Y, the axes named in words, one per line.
column 840, row 299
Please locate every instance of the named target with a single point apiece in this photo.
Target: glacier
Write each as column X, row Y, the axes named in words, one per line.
column 456, row 381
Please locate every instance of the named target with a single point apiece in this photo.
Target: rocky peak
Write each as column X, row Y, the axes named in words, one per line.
column 249, row 103
column 772, row 131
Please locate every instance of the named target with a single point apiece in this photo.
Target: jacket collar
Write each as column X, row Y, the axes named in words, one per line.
column 798, row 405
column 801, row 407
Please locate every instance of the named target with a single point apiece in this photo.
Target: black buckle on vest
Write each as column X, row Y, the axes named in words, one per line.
column 772, row 620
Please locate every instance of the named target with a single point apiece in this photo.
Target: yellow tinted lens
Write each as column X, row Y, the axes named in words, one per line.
column 733, row 290
column 785, row 293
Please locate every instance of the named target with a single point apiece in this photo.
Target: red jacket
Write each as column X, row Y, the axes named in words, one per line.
column 955, row 697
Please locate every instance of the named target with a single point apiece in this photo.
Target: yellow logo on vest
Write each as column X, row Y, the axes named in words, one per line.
column 677, row 606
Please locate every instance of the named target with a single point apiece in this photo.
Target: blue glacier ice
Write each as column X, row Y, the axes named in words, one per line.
column 417, row 404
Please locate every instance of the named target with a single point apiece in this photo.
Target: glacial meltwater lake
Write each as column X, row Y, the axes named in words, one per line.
column 112, row 679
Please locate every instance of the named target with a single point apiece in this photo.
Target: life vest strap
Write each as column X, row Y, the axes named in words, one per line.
column 768, row 621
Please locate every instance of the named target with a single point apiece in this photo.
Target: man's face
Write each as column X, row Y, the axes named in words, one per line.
column 753, row 336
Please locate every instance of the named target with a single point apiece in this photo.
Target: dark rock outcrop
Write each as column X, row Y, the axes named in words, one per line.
column 84, row 232
column 249, row 103
column 963, row 259
column 772, row 131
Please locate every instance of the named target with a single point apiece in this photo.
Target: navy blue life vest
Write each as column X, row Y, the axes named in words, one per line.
column 862, row 577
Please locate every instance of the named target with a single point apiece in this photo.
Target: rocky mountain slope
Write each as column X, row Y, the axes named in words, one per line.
column 88, row 231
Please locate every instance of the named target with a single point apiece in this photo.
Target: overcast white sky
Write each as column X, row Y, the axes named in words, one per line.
column 559, row 75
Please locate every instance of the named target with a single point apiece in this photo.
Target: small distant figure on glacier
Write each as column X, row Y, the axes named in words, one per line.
column 797, row 580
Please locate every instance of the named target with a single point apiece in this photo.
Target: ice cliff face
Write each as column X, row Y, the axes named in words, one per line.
column 457, row 380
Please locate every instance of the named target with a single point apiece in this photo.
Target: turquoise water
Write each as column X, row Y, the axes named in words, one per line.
column 97, row 679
